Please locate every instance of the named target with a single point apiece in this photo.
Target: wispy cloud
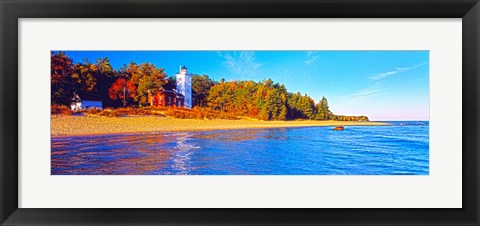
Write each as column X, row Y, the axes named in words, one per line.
column 241, row 63
column 363, row 94
column 311, row 59
column 396, row 71
column 377, row 87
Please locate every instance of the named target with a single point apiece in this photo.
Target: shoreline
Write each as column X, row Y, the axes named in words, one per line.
column 71, row 126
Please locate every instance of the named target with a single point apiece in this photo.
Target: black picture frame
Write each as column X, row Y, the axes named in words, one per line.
column 11, row 11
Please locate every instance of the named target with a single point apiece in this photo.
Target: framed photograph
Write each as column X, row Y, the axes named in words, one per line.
column 239, row 112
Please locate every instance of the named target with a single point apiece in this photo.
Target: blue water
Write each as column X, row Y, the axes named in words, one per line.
column 401, row 148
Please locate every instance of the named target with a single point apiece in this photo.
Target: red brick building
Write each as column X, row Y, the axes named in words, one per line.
column 168, row 97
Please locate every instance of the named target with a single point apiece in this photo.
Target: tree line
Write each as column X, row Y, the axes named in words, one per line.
column 131, row 82
column 128, row 86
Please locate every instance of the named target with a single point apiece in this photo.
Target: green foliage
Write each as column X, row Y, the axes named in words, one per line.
column 323, row 111
column 105, row 68
column 221, row 95
column 300, row 106
column 106, row 76
column 201, row 84
column 145, row 77
column 85, row 76
column 349, row 118
column 264, row 100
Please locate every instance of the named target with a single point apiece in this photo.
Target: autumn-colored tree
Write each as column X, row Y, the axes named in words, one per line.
column 60, row 78
column 122, row 90
column 221, row 95
column 84, row 76
column 133, row 72
column 104, row 67
column 146, row 76
column 244, row 101
column 265, row 100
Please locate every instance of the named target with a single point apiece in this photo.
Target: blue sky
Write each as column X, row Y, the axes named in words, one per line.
column 384, row 85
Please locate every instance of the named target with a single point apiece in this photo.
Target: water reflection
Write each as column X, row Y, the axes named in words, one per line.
column 294, row 151
column 182, row 156
column 154, row 153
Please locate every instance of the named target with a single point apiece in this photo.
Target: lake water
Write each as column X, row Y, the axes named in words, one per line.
column 399, row 149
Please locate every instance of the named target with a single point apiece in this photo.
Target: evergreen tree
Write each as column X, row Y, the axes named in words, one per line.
column 202, row 84
column 105, row 77
column 323, row 111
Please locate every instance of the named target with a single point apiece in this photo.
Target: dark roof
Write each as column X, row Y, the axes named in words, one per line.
column 169, row 86
column 175, row 91
column 89, row 96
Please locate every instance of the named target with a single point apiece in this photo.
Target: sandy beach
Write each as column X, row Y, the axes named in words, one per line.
column 62, row 125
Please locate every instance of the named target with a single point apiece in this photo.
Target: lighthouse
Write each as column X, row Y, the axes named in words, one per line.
column 184, row 85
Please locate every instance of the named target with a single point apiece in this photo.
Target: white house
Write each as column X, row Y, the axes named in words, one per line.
column 87, row 102
column 76, row 102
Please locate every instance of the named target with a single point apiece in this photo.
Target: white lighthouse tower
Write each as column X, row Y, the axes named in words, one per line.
column 184, row 85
